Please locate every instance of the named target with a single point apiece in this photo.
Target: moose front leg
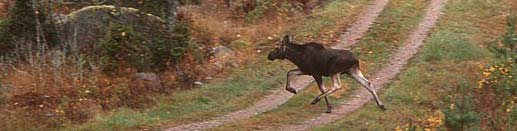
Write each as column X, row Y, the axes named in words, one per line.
column 336, row 80
column 289, row 74
column 321, row 86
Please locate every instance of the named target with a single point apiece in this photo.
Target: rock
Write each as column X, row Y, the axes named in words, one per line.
column 85, row 28
column 59, row 18
column 149, row 81
column 198, row 83
column 222, row 51
column 209, row 78
column 239, row 44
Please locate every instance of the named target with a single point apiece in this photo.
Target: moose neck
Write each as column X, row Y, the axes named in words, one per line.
column 294, row 53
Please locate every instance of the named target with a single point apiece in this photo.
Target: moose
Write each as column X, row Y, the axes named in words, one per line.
column 316, row 60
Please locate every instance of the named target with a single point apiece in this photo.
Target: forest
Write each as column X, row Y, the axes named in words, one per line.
column 203, row 65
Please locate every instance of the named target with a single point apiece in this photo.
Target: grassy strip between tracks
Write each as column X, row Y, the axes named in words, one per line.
column 390, row 29
column 450, row 56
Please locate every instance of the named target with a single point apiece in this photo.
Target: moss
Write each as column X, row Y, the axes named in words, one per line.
column 109, row 8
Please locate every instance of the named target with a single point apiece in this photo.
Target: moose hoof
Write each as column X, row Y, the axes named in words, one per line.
column 383, row 108
column 292, row 90
column 328, row 111
column 315, row 101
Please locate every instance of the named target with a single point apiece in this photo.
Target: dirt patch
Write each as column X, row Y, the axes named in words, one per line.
column 279, row 96
column 383, row 77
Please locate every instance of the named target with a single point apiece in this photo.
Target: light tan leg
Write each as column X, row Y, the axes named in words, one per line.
column 357, row 75
column 336, row 80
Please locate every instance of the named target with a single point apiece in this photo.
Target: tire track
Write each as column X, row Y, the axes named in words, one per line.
column 383, row 77
column 279, row 96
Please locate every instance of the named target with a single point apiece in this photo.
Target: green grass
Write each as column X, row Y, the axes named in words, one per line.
column 389, row 32
column 328, row 17
column 299, row 109
column 448, row 45
column 451, row 55
column 240, row 89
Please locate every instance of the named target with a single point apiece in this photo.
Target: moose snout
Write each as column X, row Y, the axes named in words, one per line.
column 271, row 56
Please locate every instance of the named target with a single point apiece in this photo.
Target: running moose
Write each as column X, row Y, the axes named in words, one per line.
column 317, row 61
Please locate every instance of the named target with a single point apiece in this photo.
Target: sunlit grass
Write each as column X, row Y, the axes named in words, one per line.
column 451, row 55
column 299, row 109
column 237, row 91
column 240, row 89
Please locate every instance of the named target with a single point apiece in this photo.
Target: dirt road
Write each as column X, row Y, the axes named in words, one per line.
column 279, row 96
column 383, row 77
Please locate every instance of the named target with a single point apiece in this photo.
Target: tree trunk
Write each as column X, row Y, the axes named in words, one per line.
column 228, row 3
column 170, row 13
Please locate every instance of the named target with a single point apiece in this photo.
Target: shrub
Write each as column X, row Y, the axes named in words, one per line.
column 461, row 114
column 259, row 11
column 448, row 45
column 497, row 90
column 21, row 25
column 505, row 47
column 124, row 48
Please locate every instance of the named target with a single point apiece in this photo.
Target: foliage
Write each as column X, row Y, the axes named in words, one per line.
column 426, row 123
column 506, row 47
column 497, row 86
column 125, row 48
column 461, row 114
column 173, row 48
column 259, row 11
column 448, row 45
column 21, row 25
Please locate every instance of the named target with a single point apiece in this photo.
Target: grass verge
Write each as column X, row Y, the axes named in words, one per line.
column 222, row 96
column 449, row 60
column 382, row 39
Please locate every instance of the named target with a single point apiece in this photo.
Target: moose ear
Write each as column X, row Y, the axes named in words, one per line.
column 287, row 39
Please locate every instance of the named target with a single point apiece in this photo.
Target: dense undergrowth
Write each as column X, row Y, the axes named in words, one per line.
column 240, row 89
column 49, row 81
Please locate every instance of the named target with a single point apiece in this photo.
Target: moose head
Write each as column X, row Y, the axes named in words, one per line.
column 281, row 48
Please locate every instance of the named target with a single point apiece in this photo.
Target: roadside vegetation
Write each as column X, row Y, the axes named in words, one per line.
column 463, row 78
column 385, row 36
column 238, row 89
column 111, row 84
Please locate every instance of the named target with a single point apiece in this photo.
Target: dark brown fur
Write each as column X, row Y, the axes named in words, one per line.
column 315, row 59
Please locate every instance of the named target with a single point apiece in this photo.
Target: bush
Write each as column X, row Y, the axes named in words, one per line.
column 505, row 47
column 497, row 87
column 258, row 11
column 461, row 114
column 124, row 48
column 21, row 25
column 448, row 45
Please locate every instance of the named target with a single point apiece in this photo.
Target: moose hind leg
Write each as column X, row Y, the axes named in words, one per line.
column 289, row 74
column 336, row 80
column 321, row 87
column 357, row 75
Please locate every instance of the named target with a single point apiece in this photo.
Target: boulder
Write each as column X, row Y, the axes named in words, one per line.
column 148, row 81
column 85, row 28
